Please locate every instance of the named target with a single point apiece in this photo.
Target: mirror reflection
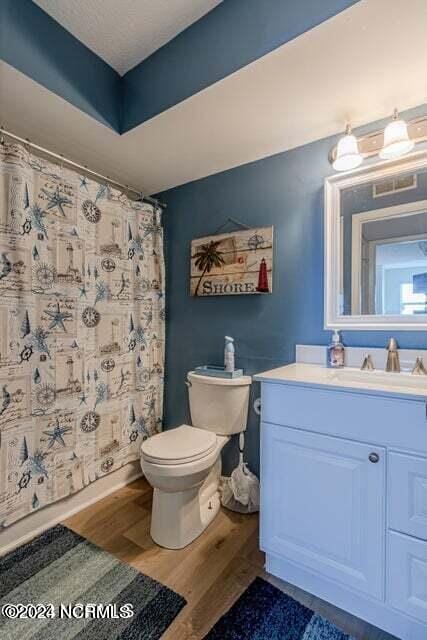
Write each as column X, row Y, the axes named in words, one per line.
column 383, row 246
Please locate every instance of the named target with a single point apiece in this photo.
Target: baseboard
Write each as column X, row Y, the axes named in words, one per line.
column 34, row 524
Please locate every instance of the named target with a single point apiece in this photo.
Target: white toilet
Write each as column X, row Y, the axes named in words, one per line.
column 183, row 465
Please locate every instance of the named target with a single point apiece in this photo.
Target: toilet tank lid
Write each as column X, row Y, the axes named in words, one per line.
column 242, row 381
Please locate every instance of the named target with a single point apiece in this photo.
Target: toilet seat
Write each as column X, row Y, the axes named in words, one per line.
column 179, row 446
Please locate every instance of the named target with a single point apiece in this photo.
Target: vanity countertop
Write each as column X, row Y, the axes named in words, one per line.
column 368, row 382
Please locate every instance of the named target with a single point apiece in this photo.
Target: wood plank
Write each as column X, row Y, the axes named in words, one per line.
column 111, row 515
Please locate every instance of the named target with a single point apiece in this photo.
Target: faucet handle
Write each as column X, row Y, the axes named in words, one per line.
column 367, row 365
column 392, row 345
column 419, row 368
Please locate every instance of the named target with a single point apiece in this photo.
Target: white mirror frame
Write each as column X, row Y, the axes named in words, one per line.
column 332, row 264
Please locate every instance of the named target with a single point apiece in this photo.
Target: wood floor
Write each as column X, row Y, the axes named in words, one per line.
column 211, row 573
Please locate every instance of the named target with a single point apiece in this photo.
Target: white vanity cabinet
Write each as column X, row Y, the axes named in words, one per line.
column 344, row 498
column 323, row 505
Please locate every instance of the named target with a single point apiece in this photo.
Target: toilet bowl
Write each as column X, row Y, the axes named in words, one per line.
column 183, row 464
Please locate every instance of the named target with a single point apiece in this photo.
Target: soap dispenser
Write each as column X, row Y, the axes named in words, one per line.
column 335, row 352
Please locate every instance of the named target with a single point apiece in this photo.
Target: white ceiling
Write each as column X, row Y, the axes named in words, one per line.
column 124, row 32
column 356, row 66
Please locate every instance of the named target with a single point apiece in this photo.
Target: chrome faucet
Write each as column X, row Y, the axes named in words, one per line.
column 393, row 362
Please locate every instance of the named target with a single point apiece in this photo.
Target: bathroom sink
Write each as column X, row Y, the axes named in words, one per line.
column 382, row 378
column 376, row 381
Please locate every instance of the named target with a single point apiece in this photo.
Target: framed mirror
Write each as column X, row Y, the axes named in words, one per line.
column 376, row 246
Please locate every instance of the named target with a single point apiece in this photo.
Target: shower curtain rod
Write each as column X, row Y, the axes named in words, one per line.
column 83, row 168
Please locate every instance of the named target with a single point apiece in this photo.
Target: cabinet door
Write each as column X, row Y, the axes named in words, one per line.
column 323, row 505
column 407, row 575
column 407, row 494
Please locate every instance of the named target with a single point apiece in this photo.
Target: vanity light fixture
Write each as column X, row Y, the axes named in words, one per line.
column 396, row 139
column 347, row 153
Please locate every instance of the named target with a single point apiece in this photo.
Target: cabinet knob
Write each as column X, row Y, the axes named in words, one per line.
column 374, row 457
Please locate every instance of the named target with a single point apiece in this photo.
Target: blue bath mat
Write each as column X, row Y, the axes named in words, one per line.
column 61, row 567
column 265, row 613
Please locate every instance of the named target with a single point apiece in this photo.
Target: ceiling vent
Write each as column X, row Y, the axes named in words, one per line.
column 393, row 185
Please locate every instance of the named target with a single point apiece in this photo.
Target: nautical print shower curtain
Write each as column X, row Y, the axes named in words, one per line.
column 81, row 330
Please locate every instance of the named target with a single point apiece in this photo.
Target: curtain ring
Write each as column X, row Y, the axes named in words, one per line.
column 27, row 147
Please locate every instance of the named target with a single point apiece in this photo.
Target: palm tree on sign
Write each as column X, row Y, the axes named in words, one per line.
column 207, row 257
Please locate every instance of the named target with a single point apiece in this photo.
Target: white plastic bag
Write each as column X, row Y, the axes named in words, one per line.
column 240, row 492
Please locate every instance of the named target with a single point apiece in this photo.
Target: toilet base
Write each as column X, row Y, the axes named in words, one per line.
column 180, row 517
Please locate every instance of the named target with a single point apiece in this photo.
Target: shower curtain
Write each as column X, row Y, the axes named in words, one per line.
column 81, row 330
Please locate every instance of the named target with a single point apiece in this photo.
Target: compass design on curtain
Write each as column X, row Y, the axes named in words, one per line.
column 91, row 212
column 45, row 275
column 90, row 421
column 91, row 317
column 46, row 396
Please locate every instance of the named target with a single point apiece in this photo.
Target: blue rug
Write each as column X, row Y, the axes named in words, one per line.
column 265, row 613
column 62, row 568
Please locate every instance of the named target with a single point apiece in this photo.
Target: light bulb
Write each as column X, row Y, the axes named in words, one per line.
column 396, row 139
column 347, row 156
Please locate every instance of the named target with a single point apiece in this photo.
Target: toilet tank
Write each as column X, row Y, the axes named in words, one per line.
column 219, row 404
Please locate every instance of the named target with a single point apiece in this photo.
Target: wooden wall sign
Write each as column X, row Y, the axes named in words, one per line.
column 234, row 263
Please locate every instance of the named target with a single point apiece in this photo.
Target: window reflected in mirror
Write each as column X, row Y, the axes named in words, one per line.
column 383, row 247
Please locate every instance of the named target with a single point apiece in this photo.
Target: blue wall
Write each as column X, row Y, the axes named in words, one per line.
column 285, row 190
column 35, row 44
